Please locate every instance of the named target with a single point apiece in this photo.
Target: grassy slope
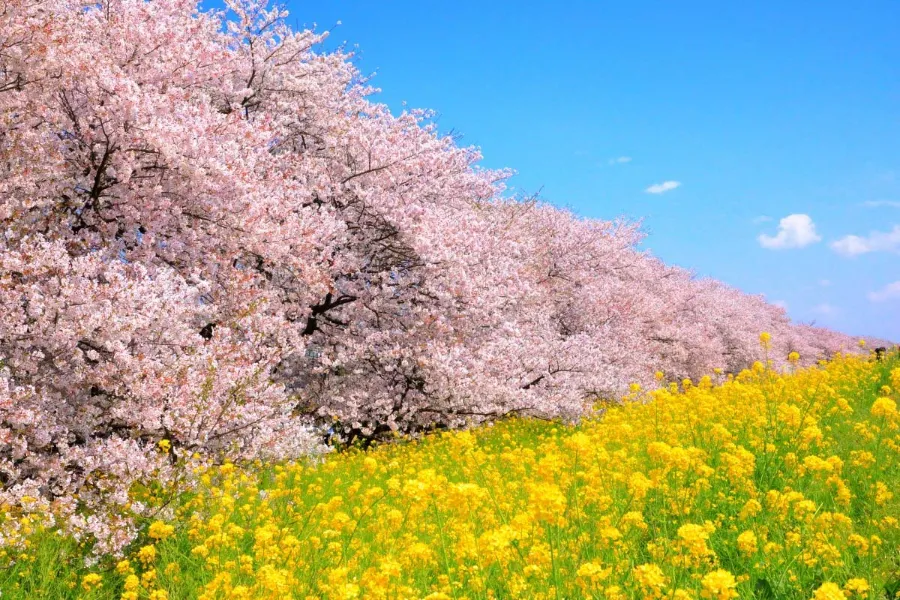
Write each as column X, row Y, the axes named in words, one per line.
column 649, row 500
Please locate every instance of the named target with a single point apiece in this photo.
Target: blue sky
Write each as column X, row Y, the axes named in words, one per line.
column 759, row 110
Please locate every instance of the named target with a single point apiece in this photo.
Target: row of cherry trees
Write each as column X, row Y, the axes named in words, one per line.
column 212, row 237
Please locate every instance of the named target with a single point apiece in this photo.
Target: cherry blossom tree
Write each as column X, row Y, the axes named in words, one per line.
column 215, row 242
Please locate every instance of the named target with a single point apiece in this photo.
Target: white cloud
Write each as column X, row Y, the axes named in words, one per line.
column 781, row 304
column 881, row 203
column 665, row 186
column 825, row 309
column 825, row 282
column 877, row 241
column 794, row 231
column 621, row 160
column 761, row 219
column 889, row 292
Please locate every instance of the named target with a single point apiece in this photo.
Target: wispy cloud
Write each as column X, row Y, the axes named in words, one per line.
column 761, row 219
column 661, row 188
column 889, row 292
column 621, row 160
column 825, row 309
column 781, row 304
column 794, row 231
column 825, row 282
column 876, row 241
column 881, row 203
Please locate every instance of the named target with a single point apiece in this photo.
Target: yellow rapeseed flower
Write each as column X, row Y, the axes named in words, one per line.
column 857, row 587
column 747, row 543
column 91, row 582
column 592, row 573
column 829, row 591
column 147, row 554
column 884, row 407
column 650, row 577
column 719, row 585
column 160, row 531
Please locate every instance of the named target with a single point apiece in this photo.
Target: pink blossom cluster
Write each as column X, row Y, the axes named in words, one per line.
column 213, row 238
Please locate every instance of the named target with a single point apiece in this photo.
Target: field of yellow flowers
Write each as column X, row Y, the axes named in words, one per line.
column 767, row 485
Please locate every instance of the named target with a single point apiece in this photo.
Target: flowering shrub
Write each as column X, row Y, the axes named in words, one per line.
column 214, row 243
column 767, row 486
